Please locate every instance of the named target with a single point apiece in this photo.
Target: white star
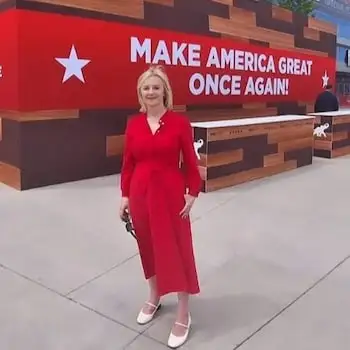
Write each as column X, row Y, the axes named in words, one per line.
column 73, row 65
column 325, row 79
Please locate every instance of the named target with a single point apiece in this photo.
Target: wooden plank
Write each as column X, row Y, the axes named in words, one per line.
column 39, row 115
column 309, row 106
column 339, row 152
column 222, row 158
column 282, row 14
column 323, row 145
column 115, row 145
column 226, row 114
column 302, row 103
column 273, row 129
column 241, row 27
column 297, row 49
column 311, row 52
column 341, row 120
column 340, row 135
column 234, row 38
column 161, row 2
column 273, row 159
column 318, row 119
column 254, row 105
column 249, row 175
column 312, row 34
column 179, row 108
column 221, row 134
column 242, row 16
column 10, row 175
column 128, row 8
column 289, row 145
column 322, row 26
column 290, row 133
column 224, row 2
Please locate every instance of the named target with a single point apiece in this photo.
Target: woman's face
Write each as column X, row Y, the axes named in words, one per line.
column 152, row 92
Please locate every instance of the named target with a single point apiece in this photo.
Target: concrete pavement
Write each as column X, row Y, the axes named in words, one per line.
column 273, row 258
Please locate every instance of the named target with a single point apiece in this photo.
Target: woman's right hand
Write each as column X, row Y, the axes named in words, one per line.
column 124, row 206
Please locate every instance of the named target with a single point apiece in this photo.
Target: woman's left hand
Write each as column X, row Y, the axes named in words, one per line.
column 185, row 212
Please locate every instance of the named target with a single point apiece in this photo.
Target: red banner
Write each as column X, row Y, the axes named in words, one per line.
column 9, row 81
column 69, row 62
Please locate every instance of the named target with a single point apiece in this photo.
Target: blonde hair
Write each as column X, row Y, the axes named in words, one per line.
column 156, row 71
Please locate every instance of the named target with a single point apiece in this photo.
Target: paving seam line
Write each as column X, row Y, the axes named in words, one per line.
column 68, row 298
column 292, row 303
column 101, row 274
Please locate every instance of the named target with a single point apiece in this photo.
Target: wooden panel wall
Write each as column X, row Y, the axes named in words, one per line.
column 238, row 154
column 48, row 147
column 37, row 150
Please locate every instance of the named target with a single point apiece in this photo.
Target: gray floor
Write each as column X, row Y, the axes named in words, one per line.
column 273, row 257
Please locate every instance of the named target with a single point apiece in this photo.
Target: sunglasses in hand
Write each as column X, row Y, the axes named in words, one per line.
column 128, row 224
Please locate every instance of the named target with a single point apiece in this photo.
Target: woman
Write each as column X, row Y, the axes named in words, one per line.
column 159, row 194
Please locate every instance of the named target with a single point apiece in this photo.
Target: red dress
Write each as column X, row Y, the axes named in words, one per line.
column 154, row 182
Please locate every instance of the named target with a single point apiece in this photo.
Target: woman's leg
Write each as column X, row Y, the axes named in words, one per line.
column 182, row 315
column 153, row 296
column 139, row 213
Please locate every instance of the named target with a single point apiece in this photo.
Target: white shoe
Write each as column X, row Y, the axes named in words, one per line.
column 143, row 318
column 175, row 341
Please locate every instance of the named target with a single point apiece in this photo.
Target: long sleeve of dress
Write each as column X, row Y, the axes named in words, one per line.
column 127, row 165
column 190, row 165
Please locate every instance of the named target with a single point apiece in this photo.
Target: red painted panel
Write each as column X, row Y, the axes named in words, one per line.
column 9, row 60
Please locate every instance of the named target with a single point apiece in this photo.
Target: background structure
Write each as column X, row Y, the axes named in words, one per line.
column 39, row 148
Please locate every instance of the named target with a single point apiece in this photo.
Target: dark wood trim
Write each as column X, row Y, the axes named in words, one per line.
column 322, row 153
column 302, row 156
